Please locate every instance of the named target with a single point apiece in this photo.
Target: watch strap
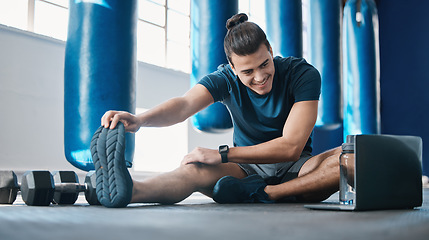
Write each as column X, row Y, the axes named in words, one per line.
column 223, row 150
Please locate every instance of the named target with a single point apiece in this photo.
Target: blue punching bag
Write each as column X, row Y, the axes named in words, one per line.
column 284, row 26
column 99, row 74
column 207, row 33
column 324, row 41
column 361, row 73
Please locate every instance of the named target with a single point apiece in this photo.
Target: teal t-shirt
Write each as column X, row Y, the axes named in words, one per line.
column 261, row 118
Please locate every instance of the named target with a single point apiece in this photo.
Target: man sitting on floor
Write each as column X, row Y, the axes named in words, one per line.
column 273, row 103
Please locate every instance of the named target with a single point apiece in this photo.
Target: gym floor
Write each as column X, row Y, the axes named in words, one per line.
column 198, row 217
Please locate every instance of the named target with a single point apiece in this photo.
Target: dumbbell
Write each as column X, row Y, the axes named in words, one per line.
column 8, row 187
column 67, row 187
column 40, row 188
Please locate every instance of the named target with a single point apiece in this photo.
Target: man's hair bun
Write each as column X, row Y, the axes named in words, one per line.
column 236, row 20
column 243, row 37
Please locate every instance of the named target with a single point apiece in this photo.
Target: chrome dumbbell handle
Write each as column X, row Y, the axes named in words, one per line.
column 70, row 187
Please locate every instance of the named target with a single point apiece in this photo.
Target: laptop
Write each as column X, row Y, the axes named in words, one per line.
column 387, row 174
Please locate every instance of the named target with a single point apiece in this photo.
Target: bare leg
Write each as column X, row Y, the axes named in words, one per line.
column 316, row 181
column 175, row 186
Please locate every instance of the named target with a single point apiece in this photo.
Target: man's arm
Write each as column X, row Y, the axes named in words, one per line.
column 288, row 147
column 168, row 113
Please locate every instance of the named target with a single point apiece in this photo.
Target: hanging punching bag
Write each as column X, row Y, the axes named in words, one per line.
column 99, row 74
column 207, row 33
column 324, row 38
column 361, row 68
column 284, row 26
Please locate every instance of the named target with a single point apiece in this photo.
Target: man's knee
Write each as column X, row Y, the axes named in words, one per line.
column 201, row 174
column 204, row 175
column 333, row 161
column 192, row 170
column 333, row 152
column 324, row 161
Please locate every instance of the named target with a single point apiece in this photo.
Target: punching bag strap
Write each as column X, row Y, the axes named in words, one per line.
column 359, row 15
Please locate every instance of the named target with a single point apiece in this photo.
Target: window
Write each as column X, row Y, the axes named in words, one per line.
column 45, row 17
column 163, row 33
column 160, row 149
column 50, row 18
column 163, row 26
column 255, row 9
column 14, row 13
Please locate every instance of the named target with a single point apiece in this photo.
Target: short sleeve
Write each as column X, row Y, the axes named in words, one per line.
column 306, row 82
column 218, row 83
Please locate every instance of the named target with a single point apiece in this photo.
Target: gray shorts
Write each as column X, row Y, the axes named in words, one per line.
column 277, row 173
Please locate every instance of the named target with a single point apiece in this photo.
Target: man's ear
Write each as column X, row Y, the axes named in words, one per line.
column 271, row 52
column 232, row 67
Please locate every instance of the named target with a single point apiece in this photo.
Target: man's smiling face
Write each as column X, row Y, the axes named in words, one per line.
column 256, row 71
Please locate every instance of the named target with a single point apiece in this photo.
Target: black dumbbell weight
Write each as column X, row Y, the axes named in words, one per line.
column 8, row 187
column 91, row 192
column 37, row 188
column 67, row 187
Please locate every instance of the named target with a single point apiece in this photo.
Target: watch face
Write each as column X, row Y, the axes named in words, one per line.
column 223, row 148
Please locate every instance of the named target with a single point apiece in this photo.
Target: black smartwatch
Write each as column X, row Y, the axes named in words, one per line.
column 223, row 150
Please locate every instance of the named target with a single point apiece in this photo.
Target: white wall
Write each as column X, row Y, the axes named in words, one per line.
column 31, row 101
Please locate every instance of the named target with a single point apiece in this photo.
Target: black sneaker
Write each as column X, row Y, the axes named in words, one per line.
column 247, row 190
column 114, row 185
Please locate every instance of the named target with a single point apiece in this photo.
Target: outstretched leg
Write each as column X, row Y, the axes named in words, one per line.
column 317, row 180
column 114, row 185
column 175, row 186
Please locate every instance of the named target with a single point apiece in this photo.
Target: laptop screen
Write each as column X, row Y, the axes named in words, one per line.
column 388, row 171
